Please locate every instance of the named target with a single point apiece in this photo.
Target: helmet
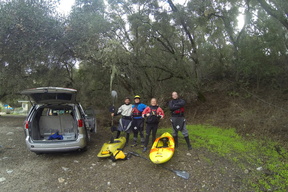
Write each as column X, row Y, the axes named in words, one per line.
column 137, row 97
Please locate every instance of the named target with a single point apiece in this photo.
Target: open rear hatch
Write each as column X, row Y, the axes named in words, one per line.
column 51, row 95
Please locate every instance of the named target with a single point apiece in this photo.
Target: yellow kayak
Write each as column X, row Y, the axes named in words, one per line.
column 109, row 148
column 162, row 149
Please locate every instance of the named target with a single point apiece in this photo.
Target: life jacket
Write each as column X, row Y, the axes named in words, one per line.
column 179, row 111
column 136, row 112
column 119, row 155
column 153, row 117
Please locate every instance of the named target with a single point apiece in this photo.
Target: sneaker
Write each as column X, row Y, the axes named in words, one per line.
column 144, row 149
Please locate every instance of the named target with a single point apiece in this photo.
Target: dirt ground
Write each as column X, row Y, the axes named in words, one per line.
column 22, row 170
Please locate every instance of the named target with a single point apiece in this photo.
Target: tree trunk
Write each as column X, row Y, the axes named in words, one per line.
column 194, row 55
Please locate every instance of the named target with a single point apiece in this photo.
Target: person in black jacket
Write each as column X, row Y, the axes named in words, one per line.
column 176, row 106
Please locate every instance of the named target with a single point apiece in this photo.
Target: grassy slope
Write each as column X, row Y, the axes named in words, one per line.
column 249, row 153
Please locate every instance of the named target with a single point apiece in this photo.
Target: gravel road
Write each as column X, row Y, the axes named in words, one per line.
column 22, row 170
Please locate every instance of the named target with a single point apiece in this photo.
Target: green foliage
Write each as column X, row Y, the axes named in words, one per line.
column 30, row 51
column 154, row 47
column 248, row 153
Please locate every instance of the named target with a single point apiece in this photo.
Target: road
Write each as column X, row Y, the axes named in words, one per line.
column 22, row 170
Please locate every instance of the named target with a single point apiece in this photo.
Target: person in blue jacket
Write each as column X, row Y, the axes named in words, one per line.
column 138, row 121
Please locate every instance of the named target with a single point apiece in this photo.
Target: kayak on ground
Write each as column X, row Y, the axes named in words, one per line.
column 162, row 149
column 109, row 148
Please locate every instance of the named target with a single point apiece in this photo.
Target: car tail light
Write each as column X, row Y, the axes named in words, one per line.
column 80, row 123
column 26, row 124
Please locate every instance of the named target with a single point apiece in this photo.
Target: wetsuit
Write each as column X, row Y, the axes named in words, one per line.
column 178, row 120
column 152, row 122
column 126, row 120
column 138, row 122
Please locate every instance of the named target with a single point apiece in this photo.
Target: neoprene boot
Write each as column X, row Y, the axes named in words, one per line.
column 142, row 141
column 176, row 141
column 188, row 142
column 134, row 142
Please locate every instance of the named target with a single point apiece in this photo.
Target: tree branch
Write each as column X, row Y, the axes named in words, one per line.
column 274, row 13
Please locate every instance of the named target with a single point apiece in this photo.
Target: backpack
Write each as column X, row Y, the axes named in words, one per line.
column 153, row 117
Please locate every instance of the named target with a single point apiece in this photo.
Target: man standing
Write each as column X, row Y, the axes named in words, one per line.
column 176, row 106
column 138, row 121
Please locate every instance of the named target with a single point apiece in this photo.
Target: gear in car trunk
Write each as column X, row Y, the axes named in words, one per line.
column 49, row 120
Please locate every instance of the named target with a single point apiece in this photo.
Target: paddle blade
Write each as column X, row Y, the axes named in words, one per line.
column 182, row 174
column 114, row 94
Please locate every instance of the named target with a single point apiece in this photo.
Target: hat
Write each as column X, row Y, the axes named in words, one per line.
column 137, row 97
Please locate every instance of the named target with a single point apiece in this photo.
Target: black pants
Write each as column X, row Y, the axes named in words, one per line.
column 127, row 136
column 138, row 127
column 151, row 127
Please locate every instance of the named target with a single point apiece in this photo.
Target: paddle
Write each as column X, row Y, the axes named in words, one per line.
column 112, row 109
column 179, row 173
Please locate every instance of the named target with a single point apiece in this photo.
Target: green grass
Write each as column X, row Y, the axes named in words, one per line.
column 245, row 152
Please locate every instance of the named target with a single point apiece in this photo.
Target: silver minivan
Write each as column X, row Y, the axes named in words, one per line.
column 56, row 121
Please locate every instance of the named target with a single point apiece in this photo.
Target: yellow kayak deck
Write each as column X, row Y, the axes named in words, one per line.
column 109, row 148
column 162, row 149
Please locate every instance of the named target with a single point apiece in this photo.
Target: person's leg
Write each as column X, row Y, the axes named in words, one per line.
column 126, row 123
column 174, row 133
column 148, row 131
column 118, row 134
column 186, row 136
column 141, row 129
column 119, row 129
column 128, row 130
column 127, row 138
column 154, row 131
column 135, row 132
column 175, row 136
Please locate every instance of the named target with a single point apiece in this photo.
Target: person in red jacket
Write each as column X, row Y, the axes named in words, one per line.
column 153, row 113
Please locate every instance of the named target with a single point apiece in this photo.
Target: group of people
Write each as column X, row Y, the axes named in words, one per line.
column 134, row 115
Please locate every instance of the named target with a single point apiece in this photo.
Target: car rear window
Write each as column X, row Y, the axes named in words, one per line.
column 51, row 96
